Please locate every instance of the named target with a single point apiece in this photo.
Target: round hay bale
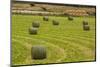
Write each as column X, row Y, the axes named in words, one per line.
column 55, row 22
column 70, row 18
column 45, row 18
column 36, row 24
column 85, row 22
column 44, row 8
column 86, row 27
column 33, row 30
column 38, row 52
column 32, row 4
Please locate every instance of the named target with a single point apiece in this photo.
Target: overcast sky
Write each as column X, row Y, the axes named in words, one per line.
column 84, row 2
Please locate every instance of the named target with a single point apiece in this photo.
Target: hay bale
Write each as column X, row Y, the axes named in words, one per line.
column 45, row 18
column 55, row 22
column 70, row 18
column 44, row 8
column 85, row 22
column 33, row 30
column 86, row 27
column 32, row 4
column 38, row 52
column 36, row 24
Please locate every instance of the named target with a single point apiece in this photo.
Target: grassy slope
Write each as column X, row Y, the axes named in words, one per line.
column 65, row 43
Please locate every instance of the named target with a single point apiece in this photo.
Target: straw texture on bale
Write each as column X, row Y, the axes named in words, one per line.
column 33, row 30
column 85, row 22
column 36, row 24
column 38, row 52
column 70, row 18
column 86, row 27
column 45, row 18
column 55, row 22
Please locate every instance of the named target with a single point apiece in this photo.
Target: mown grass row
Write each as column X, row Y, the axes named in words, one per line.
column 64, row 47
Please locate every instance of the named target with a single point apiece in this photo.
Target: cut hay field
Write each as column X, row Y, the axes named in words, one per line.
column 67, row 42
